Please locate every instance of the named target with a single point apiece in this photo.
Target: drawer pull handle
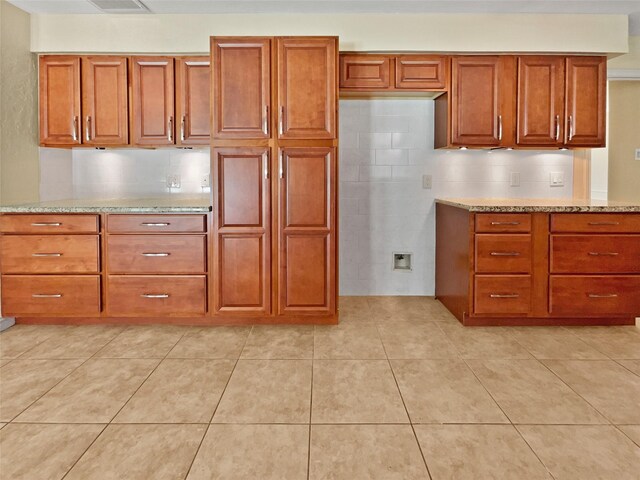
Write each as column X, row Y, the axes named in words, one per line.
column 47, row 295
column 504, row 295
column 603, row 223
column 155, row 254
column 155, row 295
column 46, row 224
column 603, row 295
column 151, row 224
column 46, row 254
column 505, row 254
column 603, row 254
column 505, row 223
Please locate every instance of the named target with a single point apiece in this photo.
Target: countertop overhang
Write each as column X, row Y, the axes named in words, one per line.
column 547, row 205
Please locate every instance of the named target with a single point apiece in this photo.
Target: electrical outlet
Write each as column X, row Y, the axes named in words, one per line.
column 205, row 182
column 173, row 181
column 427, row 182
column 556, row 179
column 637, row 153
column 514, row 179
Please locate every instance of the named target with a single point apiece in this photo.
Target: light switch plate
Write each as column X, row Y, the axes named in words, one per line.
column 427, row 182
column 556, row 179
column 514, row 179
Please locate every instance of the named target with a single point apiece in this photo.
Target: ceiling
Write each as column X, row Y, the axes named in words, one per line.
column 626, row 7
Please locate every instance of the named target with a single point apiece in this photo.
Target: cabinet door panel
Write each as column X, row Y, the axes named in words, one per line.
column 586, row 90
column 241, row 87
column 242, row 252
column 193, row 87
column 364, row 71
column 307, row 87
column 307, row 231
column 104, row 101
column 540, row 100
column 415, row 72
column 153, row 101
column 59, row 100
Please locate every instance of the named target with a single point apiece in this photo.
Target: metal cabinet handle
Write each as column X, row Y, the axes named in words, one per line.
column 504, row 295
column 505, row 223
column 602, row 295
column 570, row 127
column 148, row 224
column 603, row 254
column 265, row 163
column 557, row 127
column 46, row 254
column 75, row 129
column 46, row 224
column 281, row 121
column 170, row 129
column 155, row 295
column 265, row 120
column 603, row 223
column 47, row 295
column 87, row 128
column 159, row 254
column 281, row 165
column 505, row 254
column 500, row 127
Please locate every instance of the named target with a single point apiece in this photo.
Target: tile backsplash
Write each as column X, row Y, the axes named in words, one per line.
column 386, row 146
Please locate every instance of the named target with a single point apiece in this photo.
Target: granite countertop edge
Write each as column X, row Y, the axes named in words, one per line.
column 504, row 207
column 106, row 209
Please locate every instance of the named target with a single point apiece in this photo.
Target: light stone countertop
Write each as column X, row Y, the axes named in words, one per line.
column 164, row 204
column 549, row 205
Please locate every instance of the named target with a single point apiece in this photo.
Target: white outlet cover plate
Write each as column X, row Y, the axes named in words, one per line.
column 515, row 179
column 556, row 179
column 427, row 181
column 637, row 153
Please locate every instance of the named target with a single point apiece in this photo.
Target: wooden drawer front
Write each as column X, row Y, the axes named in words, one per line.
column 596, row 222
column 168, row 296
column 503, row 253
column 49, row 223
column 594, row 296
column 364, row 71
column 156, row 253
column 595, row 254
column 416, row 72
column 49, row 254
column 156, row 223
column 50, row 294
column 503, row 222
column 502, row 294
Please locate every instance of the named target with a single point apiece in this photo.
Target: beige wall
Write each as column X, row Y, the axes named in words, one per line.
column 19, row 167
column 624, row 138
column 423, row 32
column 630, row 60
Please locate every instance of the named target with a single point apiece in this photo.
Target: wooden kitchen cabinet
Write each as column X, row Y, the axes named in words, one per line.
column 153, row 100
column 365, row 71
column 241, row 87
column 585, row 101
column 421, row 72
column 59, row 84
column 306, row 87
column 193, row 107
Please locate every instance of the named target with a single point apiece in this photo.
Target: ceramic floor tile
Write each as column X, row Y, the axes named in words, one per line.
column 20, row 338
column 633, row 365
column 42, row 452
column 179, row 391
column 554, row 343
column 211, row 342
column 141, row 452
column 529, row 393
column 484, row 342
column 348, row 341
column 616, row 342
column 346, row 452
column 143, row 342
column 474, row 452
column 444, row 391
column 286, row 342
column 75, row 342
column 4, row 361
column 354, row 304
column 22, row 382
column 267, row 391
column 580, row 452
column 91, row 394
column 355, row 391
column 406, row 341
column 265, row 452
column 394, row 307
column 612, row 389
column 632, row 431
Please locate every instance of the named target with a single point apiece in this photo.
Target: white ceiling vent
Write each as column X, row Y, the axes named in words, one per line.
column 120, row 6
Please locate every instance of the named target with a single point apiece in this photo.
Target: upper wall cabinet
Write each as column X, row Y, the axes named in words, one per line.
column 59, row 100
column 365, row 71
column 421, row 72
column 241, row 87
column 193, row 90
column 307, row 94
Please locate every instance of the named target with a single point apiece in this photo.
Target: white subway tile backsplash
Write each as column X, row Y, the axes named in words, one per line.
column 374, row 140
column 374, row 173
column 408, row 140
column 392, row 156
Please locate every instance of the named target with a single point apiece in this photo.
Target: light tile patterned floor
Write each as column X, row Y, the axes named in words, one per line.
column 399, row 390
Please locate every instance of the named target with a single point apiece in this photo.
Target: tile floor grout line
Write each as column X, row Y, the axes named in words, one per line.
column 533, row 451
column 34, row 346
column 313, row 359
column 617, row 427
column 623, row 366
column 487, row 390
column 85, row 451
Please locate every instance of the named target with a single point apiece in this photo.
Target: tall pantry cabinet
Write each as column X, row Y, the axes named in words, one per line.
column 274, row 177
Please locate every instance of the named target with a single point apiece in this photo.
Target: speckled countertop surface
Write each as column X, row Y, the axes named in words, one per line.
column 551, row 205
column 164, row 204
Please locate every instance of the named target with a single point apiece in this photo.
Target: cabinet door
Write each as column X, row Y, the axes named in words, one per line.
column 59, row 100
column 586, row 91
column 241, row 87
column 307, row 88
column 242, row 252
column 193, row 109
column 540, row 100
column 153, row 101
column 307, row 243
column 421, row 72
column 104, row 101
column 480, row 112
column 365, row 71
